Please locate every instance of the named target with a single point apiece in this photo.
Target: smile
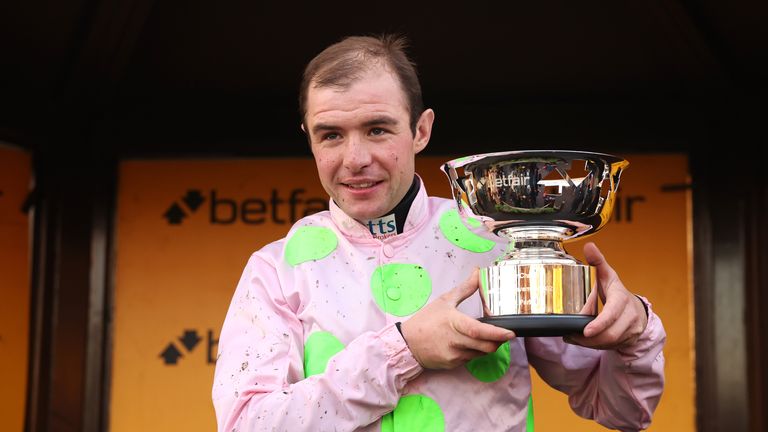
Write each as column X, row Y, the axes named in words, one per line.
column 365, row 185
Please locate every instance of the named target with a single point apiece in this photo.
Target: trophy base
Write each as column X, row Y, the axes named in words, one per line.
column 541, row 325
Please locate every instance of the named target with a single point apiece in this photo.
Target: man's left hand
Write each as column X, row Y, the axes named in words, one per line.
column 623, row 317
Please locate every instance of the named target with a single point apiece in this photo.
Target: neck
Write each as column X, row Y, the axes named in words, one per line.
column 393, row 221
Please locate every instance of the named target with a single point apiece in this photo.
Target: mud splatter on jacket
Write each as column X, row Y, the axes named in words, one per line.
column 309, row 342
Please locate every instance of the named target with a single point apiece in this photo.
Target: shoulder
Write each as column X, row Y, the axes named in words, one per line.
column 313, row 232
column 441, row 203
column 438, row 205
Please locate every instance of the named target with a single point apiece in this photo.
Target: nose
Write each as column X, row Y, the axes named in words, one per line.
column 357, row 154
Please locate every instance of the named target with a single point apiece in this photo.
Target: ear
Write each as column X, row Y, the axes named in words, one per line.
column 309, row 139
column 423, row 130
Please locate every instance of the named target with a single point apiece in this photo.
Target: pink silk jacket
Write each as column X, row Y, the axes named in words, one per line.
column 310, row 344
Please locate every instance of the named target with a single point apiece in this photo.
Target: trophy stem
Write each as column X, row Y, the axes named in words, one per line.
column 535, row 242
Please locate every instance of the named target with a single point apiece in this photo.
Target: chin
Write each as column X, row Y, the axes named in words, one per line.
column 361, row 214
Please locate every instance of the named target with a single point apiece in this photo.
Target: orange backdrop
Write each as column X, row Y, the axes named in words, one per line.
column 15, row 174
column 186, row 228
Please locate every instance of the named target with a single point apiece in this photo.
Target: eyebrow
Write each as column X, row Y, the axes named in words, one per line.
column 376, row 121
column 323, row 127
column 381, row 120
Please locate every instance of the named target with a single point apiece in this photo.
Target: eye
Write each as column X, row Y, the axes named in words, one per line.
column 331, row 136
column 377, row 131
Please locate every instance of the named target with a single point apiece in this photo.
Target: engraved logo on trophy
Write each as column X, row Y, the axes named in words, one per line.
column 537, row 199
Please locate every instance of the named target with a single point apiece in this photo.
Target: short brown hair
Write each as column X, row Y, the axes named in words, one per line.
column 344, row 62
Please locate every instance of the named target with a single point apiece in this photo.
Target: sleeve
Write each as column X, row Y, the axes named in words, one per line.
column 618, row 389
column 259, row 380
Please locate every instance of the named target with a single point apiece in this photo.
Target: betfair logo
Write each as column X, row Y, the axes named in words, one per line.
column 176, row 213
column 186, row 344
column 252, row 211
column 512, row 180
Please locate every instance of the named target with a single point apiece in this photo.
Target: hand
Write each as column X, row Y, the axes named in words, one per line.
column 441, row 337
column 623, row 317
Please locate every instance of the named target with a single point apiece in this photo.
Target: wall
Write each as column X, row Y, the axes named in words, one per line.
column 15, row 172
column 186, row 228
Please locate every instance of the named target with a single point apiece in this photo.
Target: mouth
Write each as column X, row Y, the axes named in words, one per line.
column 361, row 185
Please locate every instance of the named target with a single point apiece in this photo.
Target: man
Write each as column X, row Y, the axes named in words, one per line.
column 351, row 323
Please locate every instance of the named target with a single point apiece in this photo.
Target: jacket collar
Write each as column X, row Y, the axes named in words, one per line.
column 351, row 228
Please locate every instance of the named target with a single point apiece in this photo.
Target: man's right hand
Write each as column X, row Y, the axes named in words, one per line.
column 442, row 337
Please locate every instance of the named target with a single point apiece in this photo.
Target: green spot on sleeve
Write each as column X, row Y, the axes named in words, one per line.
column 457, row 233
column 318, row 349
column 414, row 413
column 310, row 243
column 492, row 366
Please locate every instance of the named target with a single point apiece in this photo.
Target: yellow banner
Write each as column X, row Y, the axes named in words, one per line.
column 15, row 172
column 648, row 243
column 186, row 228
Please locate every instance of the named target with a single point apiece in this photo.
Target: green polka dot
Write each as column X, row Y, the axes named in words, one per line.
column 310, row 243
column 318, row 349
column 457, row 233
column 490, row 367
column 401, row 289
column 414, row 413
column 529, row 417
column 474, row 223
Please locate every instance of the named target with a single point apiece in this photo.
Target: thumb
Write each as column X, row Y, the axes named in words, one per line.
column 465, row 289
column 605, row 273
column 593, row 255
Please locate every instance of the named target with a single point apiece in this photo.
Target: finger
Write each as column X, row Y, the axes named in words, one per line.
column 474, row 329
column 615, row 336
column 605, row 273
column 477, row 345
column 470, row 354
column 593, row 255
column 486, row 310
column 606, row 318
column 465, row 289
column 462, row 356
column 590, row 306
column 596, row 258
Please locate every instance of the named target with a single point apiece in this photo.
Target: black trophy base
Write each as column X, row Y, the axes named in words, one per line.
column 541, row 325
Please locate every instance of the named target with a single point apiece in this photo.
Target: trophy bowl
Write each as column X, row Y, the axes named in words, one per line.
column 537, row 199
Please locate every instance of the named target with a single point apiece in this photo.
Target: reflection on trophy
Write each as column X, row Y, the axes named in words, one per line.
column 537, row 199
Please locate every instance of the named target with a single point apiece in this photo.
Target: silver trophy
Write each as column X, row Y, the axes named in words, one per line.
column 537, row 199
